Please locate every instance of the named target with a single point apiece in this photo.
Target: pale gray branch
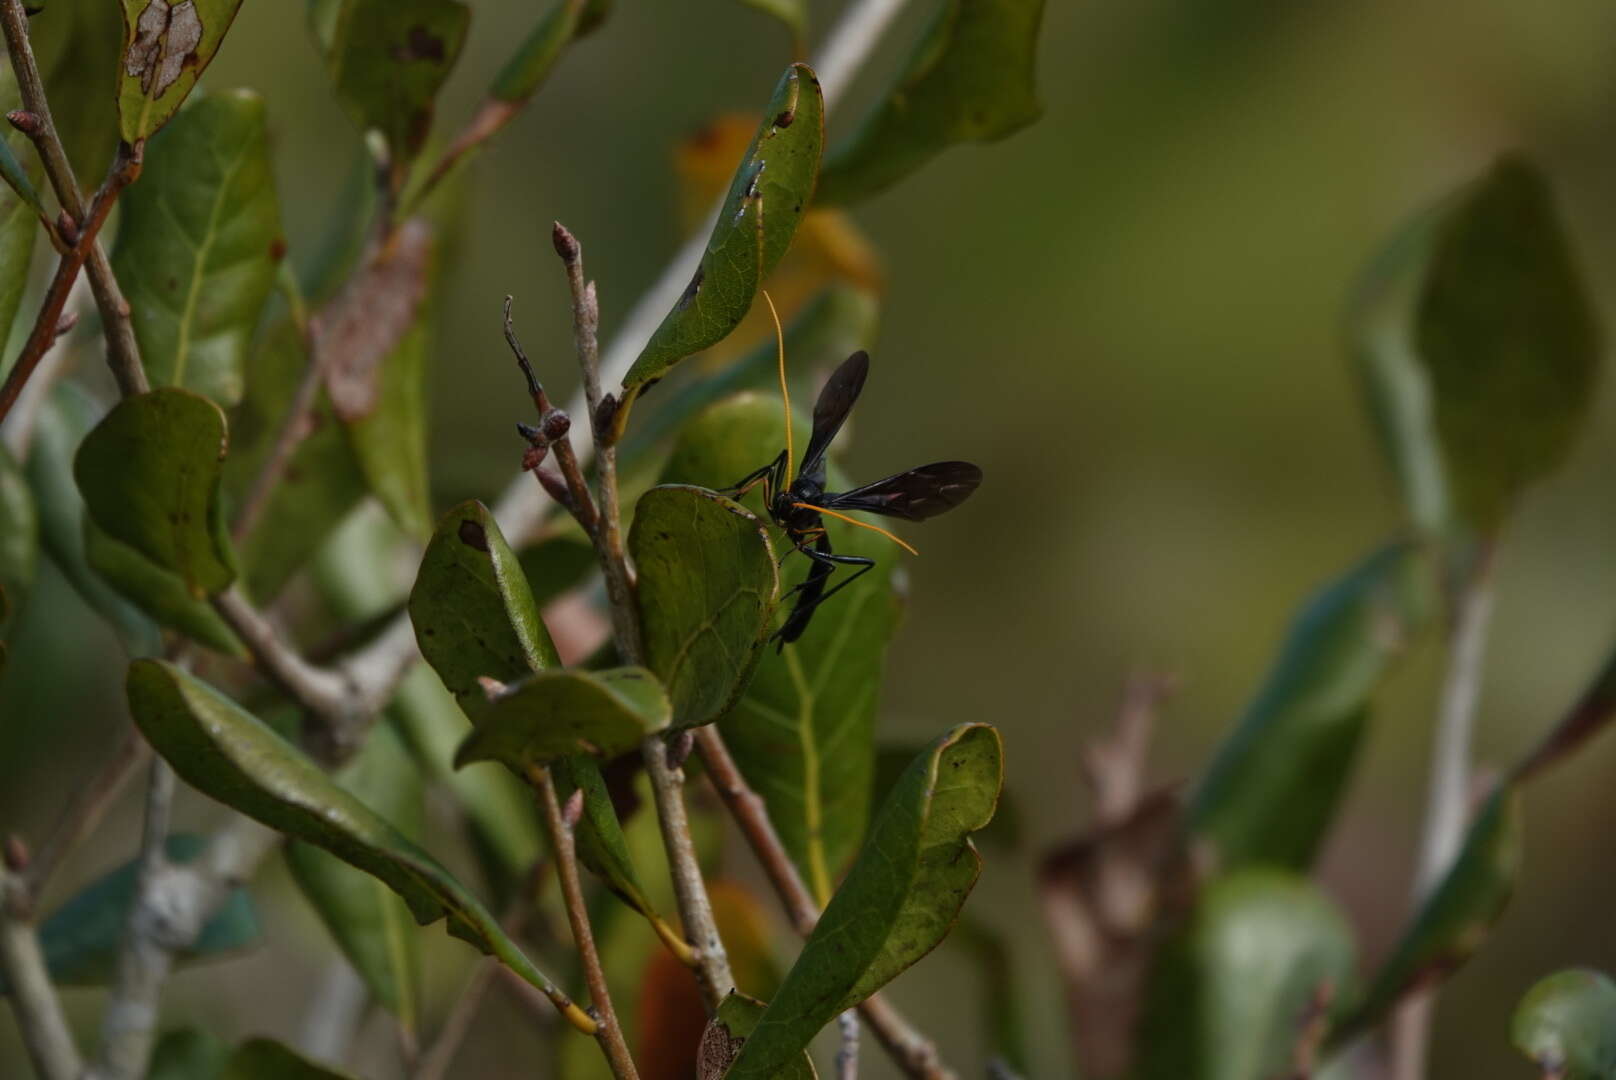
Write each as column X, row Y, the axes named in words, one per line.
column 39, row 1014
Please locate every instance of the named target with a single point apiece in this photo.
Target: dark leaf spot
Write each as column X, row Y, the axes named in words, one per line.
column 473, row 535
column 691, row 290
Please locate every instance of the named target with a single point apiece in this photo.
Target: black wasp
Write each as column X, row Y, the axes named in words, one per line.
column 801, row 506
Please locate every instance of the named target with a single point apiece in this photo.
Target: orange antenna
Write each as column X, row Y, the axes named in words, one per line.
column 860, row 524
column 785, row 391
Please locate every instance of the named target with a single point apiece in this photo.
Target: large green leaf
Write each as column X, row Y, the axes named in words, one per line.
column 899, row 900
column 766, row 201
column 65, row 418
column 1231, row 993
column 388, row 59
column 321, row 482
column 167, row 44
column 20, row 209
column 149, row 473
column 1478, row 346
column 536, row 57
column 82, row 938
column 970, row 78
column 737, row 1017
column 473, row 612
column 1274, row 787
column 70, row 40
column 231, row 756
column 554, row 714
column 804, row 732
column 1566, row 1024
column 707, row 588
column 19, row 535
column 498, row 808
column 266, row 1059
column 198, row 245
column 158, row 593
column 1454, row 919
column 371, row 925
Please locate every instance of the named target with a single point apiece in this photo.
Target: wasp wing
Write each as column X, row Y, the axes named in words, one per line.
column 918, row 494
column 836, row 400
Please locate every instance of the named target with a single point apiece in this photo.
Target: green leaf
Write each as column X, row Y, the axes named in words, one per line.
column 19, row 534
column 970, row 79
column 473, row 612
column 1478, row 346
column 1453, row 920
column 388, row 59
column 187, row 1054
column 82, row 938
column 899, row 900
column 766, row 201
column 737, row 1017
column 804, row 732
column 554, row 714
column 231, row 756
column 837, row 323
column 1275, row 785
column 794, row 13
column 371, row 925
column 167, row 44
column 198, row 245
column 707, row 588
column 541, row 50
column 266, row 1059
column 1566, row 1024
column 158, row 593
column 69, row 41
column 1219, row 1008
column 321, row 482
column 66, row 416
column 149, row 473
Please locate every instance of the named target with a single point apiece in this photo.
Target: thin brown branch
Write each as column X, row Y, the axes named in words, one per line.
column 560, row 826
column 489, row 120
column 85, row 810
column 47, row 324
column 911, row 1050
column 38, row 1009
column 123, row 353
column 128, row 1028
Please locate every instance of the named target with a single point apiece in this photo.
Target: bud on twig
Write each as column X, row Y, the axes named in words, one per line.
column 26, row 122
column 566, row 245
column 572, row 811
column 555, row 424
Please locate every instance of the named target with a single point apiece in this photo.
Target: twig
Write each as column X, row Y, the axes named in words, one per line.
column 1448, row 799
column 913, row 1052
column 48, row 323
column 434, row 1064
column 335, row 1012
column 33, row 998
column 847, row 1056
column 128, row 1027
column 327, row 694
column 295, row 426
column 123, row 353
column 84, row 812
column 560, row 826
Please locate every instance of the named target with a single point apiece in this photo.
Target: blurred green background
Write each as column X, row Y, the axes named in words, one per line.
column 1130, row 315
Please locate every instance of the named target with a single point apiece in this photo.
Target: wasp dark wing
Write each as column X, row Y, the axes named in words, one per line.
column 917, row 494
column 836, row 400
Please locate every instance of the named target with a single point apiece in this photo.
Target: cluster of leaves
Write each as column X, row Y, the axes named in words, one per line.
column 1477, row 345
column 179, row 508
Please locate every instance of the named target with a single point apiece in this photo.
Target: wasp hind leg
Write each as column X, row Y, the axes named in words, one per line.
column 752, row 479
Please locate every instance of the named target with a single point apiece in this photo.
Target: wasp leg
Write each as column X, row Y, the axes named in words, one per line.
column 751, row 480
column 812, row 587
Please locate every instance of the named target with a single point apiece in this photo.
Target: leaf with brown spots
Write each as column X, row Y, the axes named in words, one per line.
column 388, row 59
column 473, row 612
column 166, row 47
